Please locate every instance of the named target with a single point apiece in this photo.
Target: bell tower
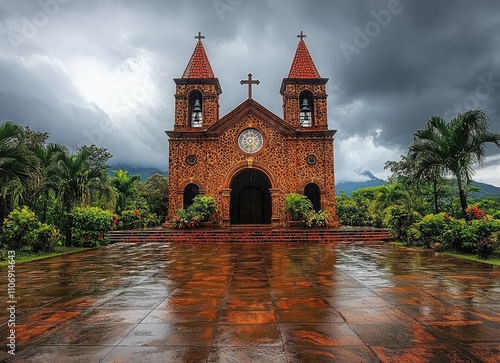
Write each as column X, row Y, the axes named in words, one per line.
column 304, row 92
column 197, row 93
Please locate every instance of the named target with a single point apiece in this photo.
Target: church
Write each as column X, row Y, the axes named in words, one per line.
column 251, row 158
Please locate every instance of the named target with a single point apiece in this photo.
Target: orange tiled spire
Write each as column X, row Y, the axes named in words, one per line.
column 303, row 65
column 198, row 66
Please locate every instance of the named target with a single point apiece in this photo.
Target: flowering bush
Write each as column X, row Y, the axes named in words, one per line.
column 201, row 210
column 186, row 219
column 137, row 218
column 477, row 236
column 475, row 212
column 91, row 226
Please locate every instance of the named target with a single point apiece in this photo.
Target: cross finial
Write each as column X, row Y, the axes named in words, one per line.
column 250, row 81
column 199, row 36
column 301, row 35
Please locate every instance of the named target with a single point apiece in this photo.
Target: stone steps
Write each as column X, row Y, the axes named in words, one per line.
column 251, row 234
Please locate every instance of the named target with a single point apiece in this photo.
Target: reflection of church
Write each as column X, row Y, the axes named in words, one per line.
column 250, row 159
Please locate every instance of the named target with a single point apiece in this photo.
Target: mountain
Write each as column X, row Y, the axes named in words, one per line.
column 144, row 172
column 349, row 186
column 487, row 190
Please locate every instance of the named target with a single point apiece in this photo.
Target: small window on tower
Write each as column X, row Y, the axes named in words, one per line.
column 306, row 105
column 195, row 109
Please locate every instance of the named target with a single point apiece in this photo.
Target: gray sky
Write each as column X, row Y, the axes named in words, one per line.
column 100, row 71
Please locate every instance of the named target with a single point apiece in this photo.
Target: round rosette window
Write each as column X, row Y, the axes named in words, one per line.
column 311, row 159
column 250, row 141
column 191, row 160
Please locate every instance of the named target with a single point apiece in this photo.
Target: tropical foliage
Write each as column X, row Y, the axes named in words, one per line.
column 22, row 230
column 426, row 201
column 91, row 226
column 201, row 210
column 298, row 206
column 453, row 147
column 300, row 209
column 44, row 186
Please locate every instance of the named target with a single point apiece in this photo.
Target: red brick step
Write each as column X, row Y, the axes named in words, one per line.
column 252, row 234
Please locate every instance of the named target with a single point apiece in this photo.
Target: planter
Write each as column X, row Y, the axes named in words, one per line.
column 296, row 224
column 209, row 224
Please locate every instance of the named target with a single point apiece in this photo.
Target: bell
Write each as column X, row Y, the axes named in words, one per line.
column 197, row 114
column 197, row 106
column 305, row 106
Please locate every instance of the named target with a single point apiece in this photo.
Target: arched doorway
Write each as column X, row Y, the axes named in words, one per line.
column 190, row 191
column 250, row 198
column 312, row 192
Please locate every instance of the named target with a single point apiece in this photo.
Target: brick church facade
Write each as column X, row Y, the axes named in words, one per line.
column 250, row 159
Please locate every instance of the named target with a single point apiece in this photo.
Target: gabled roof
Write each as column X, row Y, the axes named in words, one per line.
column 250, row 106
column 303, row 65
column 198, row 66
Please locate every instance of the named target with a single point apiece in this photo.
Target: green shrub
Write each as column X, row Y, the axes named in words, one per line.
column 18, row 228
column 430, row 228
column 298, row 206
column 451, row 238
column 352, row 212
column 22, row 230
column 91, row 226
column 204, row 207
column 317, row 219
column 476, row 236
column 130, row 219
column 398, row 219
column 45, row 238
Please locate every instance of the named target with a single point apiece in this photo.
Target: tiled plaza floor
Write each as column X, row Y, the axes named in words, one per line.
column 221, row 302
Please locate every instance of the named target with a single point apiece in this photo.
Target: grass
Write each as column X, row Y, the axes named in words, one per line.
column 491, row 261
column 26, row 256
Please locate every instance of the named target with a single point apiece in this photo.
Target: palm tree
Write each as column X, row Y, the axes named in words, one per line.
column 16, row 163
column 125, row 186
column 47, row 156
column 454, row 147
column 74, row 180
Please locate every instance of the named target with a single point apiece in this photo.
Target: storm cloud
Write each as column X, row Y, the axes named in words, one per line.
column 100, row 71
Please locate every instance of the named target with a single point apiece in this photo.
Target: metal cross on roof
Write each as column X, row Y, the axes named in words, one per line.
column 250, row 81
column 199, row 36
column 301, row 35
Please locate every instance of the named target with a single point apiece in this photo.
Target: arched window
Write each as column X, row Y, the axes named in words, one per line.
column 190, row 191
column 306, row 109
column 312, row 192
column 195, row 109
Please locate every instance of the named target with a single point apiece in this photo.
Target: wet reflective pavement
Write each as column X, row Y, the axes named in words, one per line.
column 256, row 302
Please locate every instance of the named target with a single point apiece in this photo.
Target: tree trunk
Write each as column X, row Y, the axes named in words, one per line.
column 436, row 207
column 3, row 209
column 69, row 225
column 463, row 197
